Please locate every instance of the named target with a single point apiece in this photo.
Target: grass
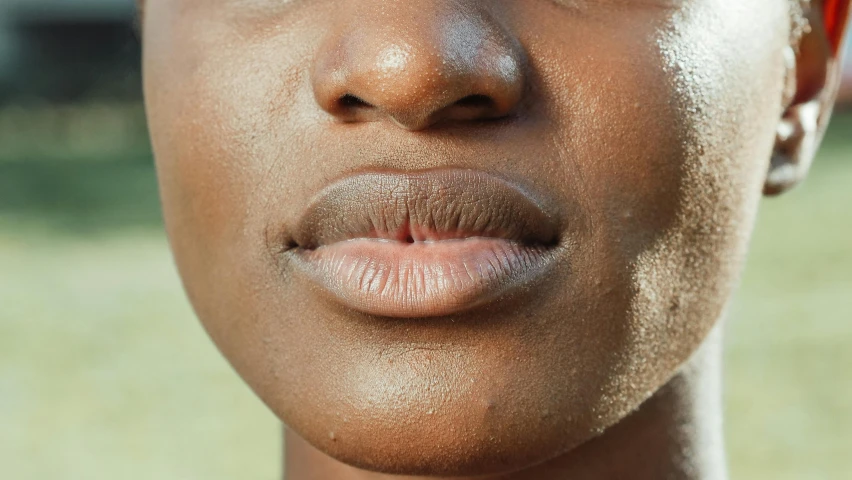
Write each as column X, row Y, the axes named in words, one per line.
column 789, row 414
column 104, row 372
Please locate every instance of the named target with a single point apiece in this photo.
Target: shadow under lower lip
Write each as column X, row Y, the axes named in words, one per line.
column 396, row 279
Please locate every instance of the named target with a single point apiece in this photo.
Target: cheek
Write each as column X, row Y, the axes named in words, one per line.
column 217, row 94
column 725, row 91
column 668, row 125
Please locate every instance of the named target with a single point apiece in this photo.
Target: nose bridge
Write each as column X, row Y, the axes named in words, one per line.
column 417, row 63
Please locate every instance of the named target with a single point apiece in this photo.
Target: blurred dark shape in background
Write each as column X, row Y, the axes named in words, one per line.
column 72, row 127
column 62, row 51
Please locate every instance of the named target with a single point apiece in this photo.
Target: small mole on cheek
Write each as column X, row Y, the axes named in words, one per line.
column 332, row 436
column 675, row 305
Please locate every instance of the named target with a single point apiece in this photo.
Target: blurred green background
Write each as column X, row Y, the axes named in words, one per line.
column 105, row 373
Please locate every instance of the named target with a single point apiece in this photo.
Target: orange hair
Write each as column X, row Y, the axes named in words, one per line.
column 836, row 16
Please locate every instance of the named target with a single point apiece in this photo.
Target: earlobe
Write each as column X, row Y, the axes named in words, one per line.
column 796, row 141
column 812, row 82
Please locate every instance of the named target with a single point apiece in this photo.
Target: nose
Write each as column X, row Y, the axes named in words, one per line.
column 416, row 64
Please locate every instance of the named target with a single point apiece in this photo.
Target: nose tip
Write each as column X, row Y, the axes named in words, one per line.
column 416, row 71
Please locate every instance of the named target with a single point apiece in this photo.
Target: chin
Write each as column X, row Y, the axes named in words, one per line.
column 466, row 443
column 454, row 414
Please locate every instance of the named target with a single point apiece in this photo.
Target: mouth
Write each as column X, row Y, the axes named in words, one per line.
column 423, row 244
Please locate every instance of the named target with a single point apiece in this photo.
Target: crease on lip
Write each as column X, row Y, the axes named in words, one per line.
column 389, row 283
column 422, row 207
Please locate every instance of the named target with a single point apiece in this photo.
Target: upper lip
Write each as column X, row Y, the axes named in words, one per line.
column 427, row 205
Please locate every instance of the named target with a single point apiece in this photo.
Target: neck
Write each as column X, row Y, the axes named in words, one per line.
column 677, row 433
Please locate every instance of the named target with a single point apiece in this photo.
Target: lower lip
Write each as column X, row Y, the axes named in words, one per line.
column 423, row 279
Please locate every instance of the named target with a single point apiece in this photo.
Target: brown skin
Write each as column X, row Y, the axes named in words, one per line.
column 649, row 125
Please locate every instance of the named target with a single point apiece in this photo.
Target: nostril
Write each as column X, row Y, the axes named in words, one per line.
column 350, row 101
column 475, row 101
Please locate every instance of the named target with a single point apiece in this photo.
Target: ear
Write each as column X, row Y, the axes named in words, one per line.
column 812, row 84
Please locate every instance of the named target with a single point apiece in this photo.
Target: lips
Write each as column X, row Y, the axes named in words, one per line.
column 423, row 244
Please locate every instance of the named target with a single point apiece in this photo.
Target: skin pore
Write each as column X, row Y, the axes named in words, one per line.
column 480, row 239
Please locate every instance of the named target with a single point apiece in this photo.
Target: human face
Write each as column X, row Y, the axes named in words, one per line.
column 578, row 178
